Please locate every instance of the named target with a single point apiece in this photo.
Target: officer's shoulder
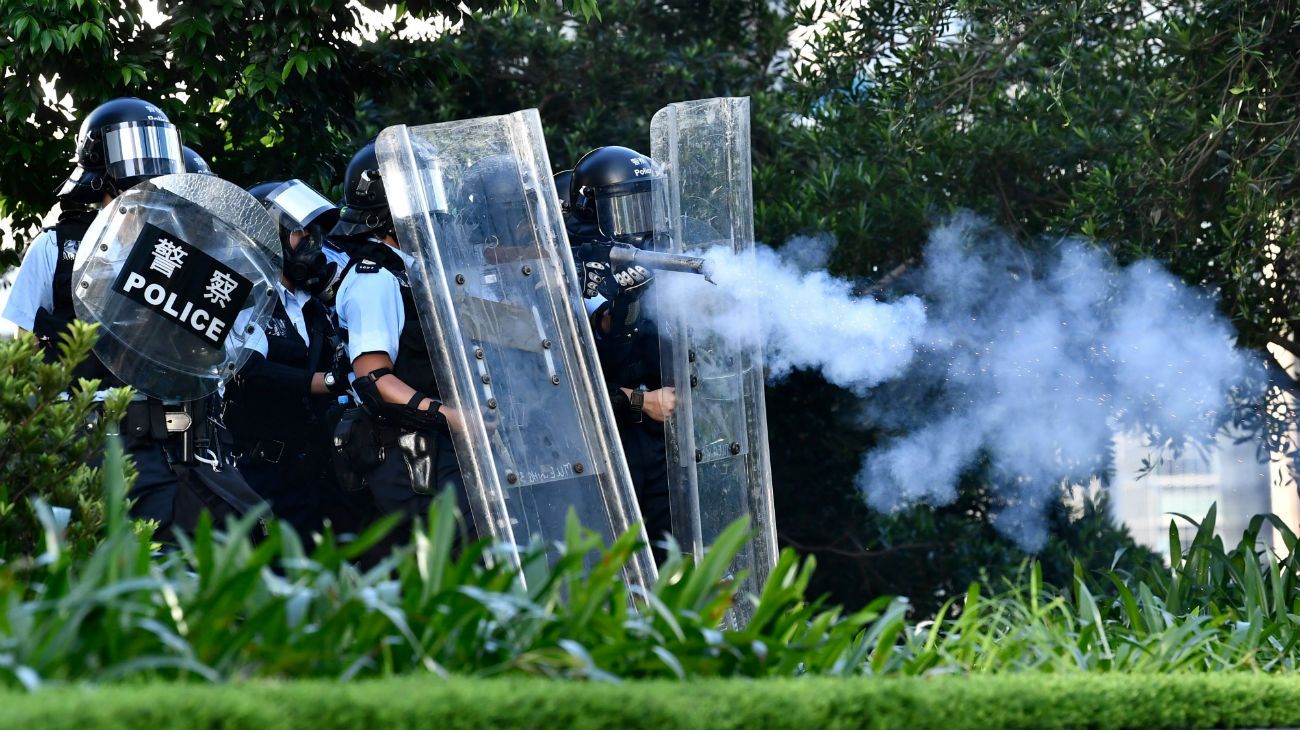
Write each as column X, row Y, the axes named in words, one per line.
column 367, row 266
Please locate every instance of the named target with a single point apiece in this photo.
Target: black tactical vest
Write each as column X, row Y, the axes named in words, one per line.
column 252, row 412
column 68, row 233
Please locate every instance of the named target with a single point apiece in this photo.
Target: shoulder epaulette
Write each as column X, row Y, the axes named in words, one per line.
column 368, row 267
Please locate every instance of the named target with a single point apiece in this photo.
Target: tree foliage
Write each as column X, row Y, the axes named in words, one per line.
column 267, row 88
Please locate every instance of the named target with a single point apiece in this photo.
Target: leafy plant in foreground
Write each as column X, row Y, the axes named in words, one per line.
column 49, row 433
column 222, row 608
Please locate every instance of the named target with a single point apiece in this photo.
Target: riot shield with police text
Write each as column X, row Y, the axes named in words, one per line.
column 500, row 303
column 718, row 466
column 177, row 271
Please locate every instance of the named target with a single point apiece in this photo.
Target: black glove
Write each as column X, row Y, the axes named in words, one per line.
column 341, row 369
column 593, row 267
column 627, row 283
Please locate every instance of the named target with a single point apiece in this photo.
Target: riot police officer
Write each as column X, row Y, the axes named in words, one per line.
column 121, row 143
column 611, row 202
column 279, row 407
column 401, row 448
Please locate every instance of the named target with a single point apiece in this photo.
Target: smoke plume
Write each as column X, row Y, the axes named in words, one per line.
column 1030, row 362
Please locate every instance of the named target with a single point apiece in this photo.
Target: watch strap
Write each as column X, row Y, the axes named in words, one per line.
column 637, row 399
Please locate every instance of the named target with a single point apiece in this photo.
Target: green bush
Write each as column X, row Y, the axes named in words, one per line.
column 47, row 440
column 221, row 608
column 950, row 703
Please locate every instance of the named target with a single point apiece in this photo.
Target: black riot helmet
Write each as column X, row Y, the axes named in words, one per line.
column 496, row 193
column 296, row 207
column 365, row 204
column 613, row 188
column 563, row 185
column 195, row 163
column 121, row 142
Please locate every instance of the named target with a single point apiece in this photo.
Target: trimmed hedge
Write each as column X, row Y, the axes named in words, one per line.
column 950, row 703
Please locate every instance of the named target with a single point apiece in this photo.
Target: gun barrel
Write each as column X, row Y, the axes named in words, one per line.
column 629, row 255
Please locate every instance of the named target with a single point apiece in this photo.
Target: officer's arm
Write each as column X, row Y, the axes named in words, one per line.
column 394, row 390
column 33, row 289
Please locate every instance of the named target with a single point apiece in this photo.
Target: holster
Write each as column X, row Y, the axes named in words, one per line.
column 358, row 449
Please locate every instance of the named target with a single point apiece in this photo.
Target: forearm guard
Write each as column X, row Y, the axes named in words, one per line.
column 407, row 416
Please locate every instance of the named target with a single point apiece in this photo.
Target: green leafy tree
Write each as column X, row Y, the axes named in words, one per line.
column 263, row 89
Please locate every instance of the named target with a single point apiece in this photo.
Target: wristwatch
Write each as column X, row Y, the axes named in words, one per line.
column 637, row 399
column 330, row 382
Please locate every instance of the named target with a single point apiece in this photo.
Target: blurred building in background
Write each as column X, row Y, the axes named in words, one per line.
column 1149, row 487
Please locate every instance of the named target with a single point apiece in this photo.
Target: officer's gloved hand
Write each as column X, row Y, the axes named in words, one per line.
column 627, row 283
column 593, row 266
column 341, row 368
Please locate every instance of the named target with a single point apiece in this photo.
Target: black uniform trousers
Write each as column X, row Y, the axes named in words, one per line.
column 644, row 448
column 416, row 467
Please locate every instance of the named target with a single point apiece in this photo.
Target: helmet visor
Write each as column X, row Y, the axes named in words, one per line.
column 630, row 214
column 143, row 149
column 294, row 205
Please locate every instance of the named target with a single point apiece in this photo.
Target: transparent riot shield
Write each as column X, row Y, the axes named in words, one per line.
column 474, row 204
column 718, row 466
column 176, row 272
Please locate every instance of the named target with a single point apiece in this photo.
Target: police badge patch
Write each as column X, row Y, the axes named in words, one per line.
column 70, row 250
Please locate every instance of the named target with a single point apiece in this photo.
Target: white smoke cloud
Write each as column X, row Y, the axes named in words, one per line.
column 1030, row 362
column 803, row 318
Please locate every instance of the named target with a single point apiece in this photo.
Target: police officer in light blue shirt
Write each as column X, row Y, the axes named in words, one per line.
column 409, row 428
column 121, row 143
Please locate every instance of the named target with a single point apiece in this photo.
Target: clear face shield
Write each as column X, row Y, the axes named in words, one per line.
column 142, row 149
column 625, row 212
column 295, row 207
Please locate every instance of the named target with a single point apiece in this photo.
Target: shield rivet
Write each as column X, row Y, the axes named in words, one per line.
column 478, row 353
column 460, row 278
column 699, row 456
column 528, row 271
column 103, row 247
column 122, row 210
column 690, row 356
column 579, row 468
column 85, row 285
column 492, row 403
column 249, row 329
column 546, row 344
column 735, row 448
column 486, row 379
column 555, row 380
column 270, row 292
column 695, row 380
column 511, row 477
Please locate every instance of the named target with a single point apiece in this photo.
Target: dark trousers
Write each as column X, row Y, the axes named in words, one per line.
column 175, row 495
column 415, row 469
column 293, row 485
column 647, row 459
column 153, row 495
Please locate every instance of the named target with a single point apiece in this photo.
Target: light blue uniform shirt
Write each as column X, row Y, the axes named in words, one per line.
column 369, row 307
column 34, row 288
